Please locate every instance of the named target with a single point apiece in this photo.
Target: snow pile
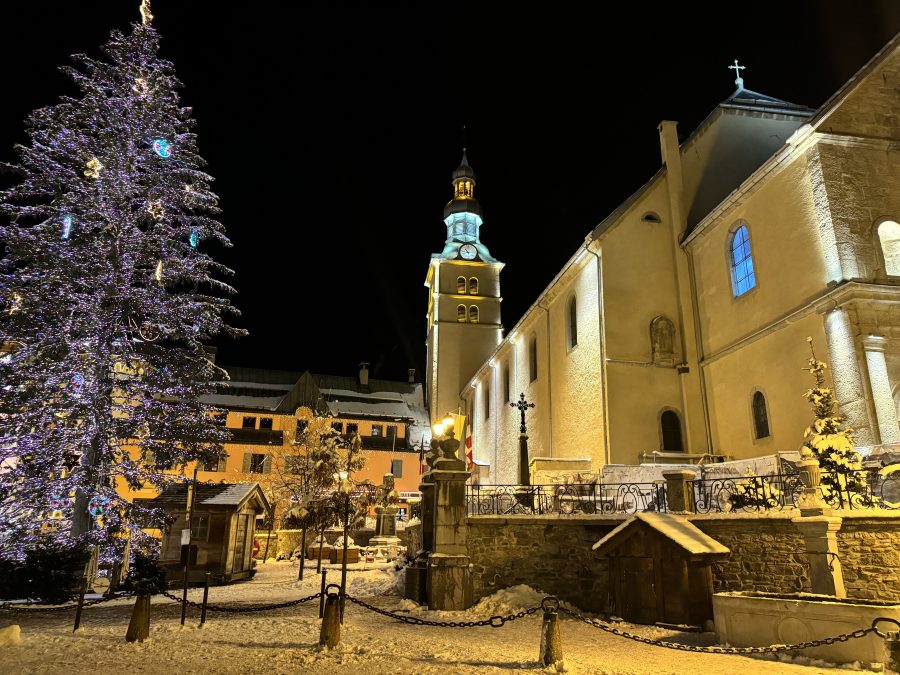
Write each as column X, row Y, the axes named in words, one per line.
column 818, row 663
column 10, row 636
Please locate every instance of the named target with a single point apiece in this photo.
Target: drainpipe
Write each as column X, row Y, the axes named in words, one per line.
column 607, row 451
column 549, row 386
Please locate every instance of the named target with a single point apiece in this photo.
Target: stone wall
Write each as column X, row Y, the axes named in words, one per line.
column 554, row 554
column 767, row 553
column 870, row 557
column 551, row 554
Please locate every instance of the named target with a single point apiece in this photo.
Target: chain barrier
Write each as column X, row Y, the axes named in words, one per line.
column 30, row 607
column 493, row 622
column 772, row 649
column 238, row 610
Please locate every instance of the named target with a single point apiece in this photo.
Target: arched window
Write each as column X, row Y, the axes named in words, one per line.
column 743, row 276
column 572, row 323
column 670, row 429
column 461, row 285
column 473, row 286
column 662, row 340
column 461, row 313
column 506, row 383
column 532, row 358
column 889, row 237
column 760, row 415
column 473, row 314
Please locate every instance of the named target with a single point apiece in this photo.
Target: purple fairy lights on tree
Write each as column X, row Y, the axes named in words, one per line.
column 104, row 366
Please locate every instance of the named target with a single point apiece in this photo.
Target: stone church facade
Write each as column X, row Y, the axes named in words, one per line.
column 680, row 324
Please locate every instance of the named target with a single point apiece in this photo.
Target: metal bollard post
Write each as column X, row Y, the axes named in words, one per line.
column 892, row 644
column 551, row 642
column 184, row 595
column 80, row 604
column 330, row 635
column 322, row 591
column 205, row 598
column 139, row 626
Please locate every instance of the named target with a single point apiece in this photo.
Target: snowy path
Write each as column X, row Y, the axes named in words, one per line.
column 284, row 641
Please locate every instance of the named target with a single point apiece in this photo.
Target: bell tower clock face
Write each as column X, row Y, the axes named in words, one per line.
column 468, row 252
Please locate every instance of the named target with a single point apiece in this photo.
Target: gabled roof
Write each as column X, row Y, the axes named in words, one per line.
column 677, row 529
column 223, row 494
column 746, row 99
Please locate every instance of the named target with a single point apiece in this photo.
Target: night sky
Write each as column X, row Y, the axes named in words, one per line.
column 332, row 131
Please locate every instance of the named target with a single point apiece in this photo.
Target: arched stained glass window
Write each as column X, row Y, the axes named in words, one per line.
column 743, row 276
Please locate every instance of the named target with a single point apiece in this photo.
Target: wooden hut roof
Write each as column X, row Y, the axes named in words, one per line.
column 677, row 529
column 221, row 494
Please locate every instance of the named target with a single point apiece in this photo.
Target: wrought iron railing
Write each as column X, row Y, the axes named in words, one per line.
column 852, row 490
column 590, row 498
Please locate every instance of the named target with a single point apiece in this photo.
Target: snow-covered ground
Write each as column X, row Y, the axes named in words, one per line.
column 285, row 640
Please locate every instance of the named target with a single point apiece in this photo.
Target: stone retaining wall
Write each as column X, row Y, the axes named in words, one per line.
column 554, row 554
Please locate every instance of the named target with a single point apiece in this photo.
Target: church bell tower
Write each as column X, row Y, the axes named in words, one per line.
column 463, row 300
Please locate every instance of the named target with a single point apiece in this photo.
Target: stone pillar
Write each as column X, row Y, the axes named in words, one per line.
column 679, row 492
column 820, row 535
column 880, row 386
column 846, row 373
column 426, row 487
column 449, row 584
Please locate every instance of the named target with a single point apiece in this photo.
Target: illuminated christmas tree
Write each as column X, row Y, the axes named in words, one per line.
column 109, row 297
column 830, row 441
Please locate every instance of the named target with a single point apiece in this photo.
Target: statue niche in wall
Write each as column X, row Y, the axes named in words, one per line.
column 662, row 341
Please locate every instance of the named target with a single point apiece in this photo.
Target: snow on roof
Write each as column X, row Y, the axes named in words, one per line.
column 255, row 385
column 365, row 409
column 223, row 494
column 675, row 528
column 229, row 401
column 376, row 395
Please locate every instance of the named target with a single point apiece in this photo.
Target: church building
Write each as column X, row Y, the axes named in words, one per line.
column 678, row 327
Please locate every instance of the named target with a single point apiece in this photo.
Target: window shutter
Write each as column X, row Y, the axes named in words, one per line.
column 267, row 464
column 397, row 468
column 247, row 457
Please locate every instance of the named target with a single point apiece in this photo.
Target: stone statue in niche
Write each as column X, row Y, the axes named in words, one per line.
column 662, row 341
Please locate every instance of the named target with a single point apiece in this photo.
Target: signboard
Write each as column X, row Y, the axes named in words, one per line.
column 186, row 536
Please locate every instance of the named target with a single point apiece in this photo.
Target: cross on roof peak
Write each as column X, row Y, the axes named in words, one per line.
column 737, row 68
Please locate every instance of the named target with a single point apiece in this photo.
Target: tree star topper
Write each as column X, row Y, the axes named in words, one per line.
column 146, row 16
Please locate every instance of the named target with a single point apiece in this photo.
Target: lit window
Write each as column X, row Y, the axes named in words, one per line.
column 532, row 358
column 377, row 430
column 461, row 313
column 473, row 314
column 743, row 278
column 760, row 416
column 573, row 323
column 461, row 285
column 473, row 286
column 889, row 236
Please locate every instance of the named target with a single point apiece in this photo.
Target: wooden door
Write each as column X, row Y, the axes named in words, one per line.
column 240, row 541
column 636, row 589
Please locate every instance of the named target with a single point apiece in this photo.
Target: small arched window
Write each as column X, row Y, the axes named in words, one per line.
column 572, row 323
column 760, row 415
column 473, row 286
column 889, row 237
column 670, row 429
column 743, row 276
column 532, row 359
column 473, row 314
column 461, row 285
column 461, row 313
column 506, row 383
